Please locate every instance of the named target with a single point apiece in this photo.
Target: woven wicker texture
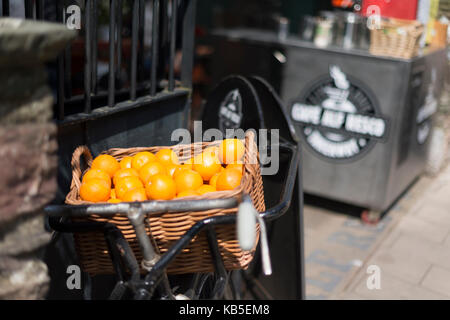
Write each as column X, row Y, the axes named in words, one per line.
column 396, row 38
column 165, row 229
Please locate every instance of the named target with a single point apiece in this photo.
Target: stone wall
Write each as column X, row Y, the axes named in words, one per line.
column 28, row 153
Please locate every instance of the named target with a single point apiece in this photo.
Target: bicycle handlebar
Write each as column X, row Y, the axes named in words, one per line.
column 157, row 207
column 149, row 207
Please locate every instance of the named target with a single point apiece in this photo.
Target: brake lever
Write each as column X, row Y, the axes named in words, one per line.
column 247, row 218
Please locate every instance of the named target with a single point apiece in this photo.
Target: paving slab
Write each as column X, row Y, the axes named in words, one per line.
column 433, row 212
column 446, row 241
column 349, row 296
column 406, row 267
column 418, row 248
column 438, row 279
column 393, row 288
column 423, row 229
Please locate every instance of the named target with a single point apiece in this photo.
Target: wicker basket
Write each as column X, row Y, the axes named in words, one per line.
column 396, row 38
column 166, row 228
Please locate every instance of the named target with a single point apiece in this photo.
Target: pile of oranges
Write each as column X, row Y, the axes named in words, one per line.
column 161, row 176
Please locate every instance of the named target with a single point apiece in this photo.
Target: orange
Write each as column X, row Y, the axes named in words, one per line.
column 141, row 158
column 228, row 179
column 167, row 156
column 137, row 194
column 213, row 180
column 151, row 169
column 95, row 190
column 97, row 174
column 188, row 180
column 188, row 163
column 214, row 150
column 187, row 193
column 126, row 162
column 106, row 163
column 122, row 173
column 239, row 166
column 171, row 168
column 179, row 169
column 114, row 200
column 160, row 187
column 113, row 194
column 206, row 188
column 207, row 164
column 127, row 183
column 231, row 150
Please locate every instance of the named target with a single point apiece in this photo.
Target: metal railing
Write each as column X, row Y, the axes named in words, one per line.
column 169, row 17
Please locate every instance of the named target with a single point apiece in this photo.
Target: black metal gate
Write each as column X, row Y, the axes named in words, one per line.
column 90, row 109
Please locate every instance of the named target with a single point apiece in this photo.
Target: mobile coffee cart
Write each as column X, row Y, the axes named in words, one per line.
column 365, row 120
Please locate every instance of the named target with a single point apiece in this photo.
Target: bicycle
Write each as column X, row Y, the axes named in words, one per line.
column 155, row 282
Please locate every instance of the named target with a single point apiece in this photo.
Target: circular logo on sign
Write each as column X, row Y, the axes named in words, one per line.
column 230, row 112
column 338, row 118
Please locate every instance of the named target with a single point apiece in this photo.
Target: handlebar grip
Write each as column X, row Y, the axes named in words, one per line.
column 247, row 217
column 246, row 225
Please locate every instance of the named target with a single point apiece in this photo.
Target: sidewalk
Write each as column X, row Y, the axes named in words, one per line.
column 414, row 256
column 411, row 246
